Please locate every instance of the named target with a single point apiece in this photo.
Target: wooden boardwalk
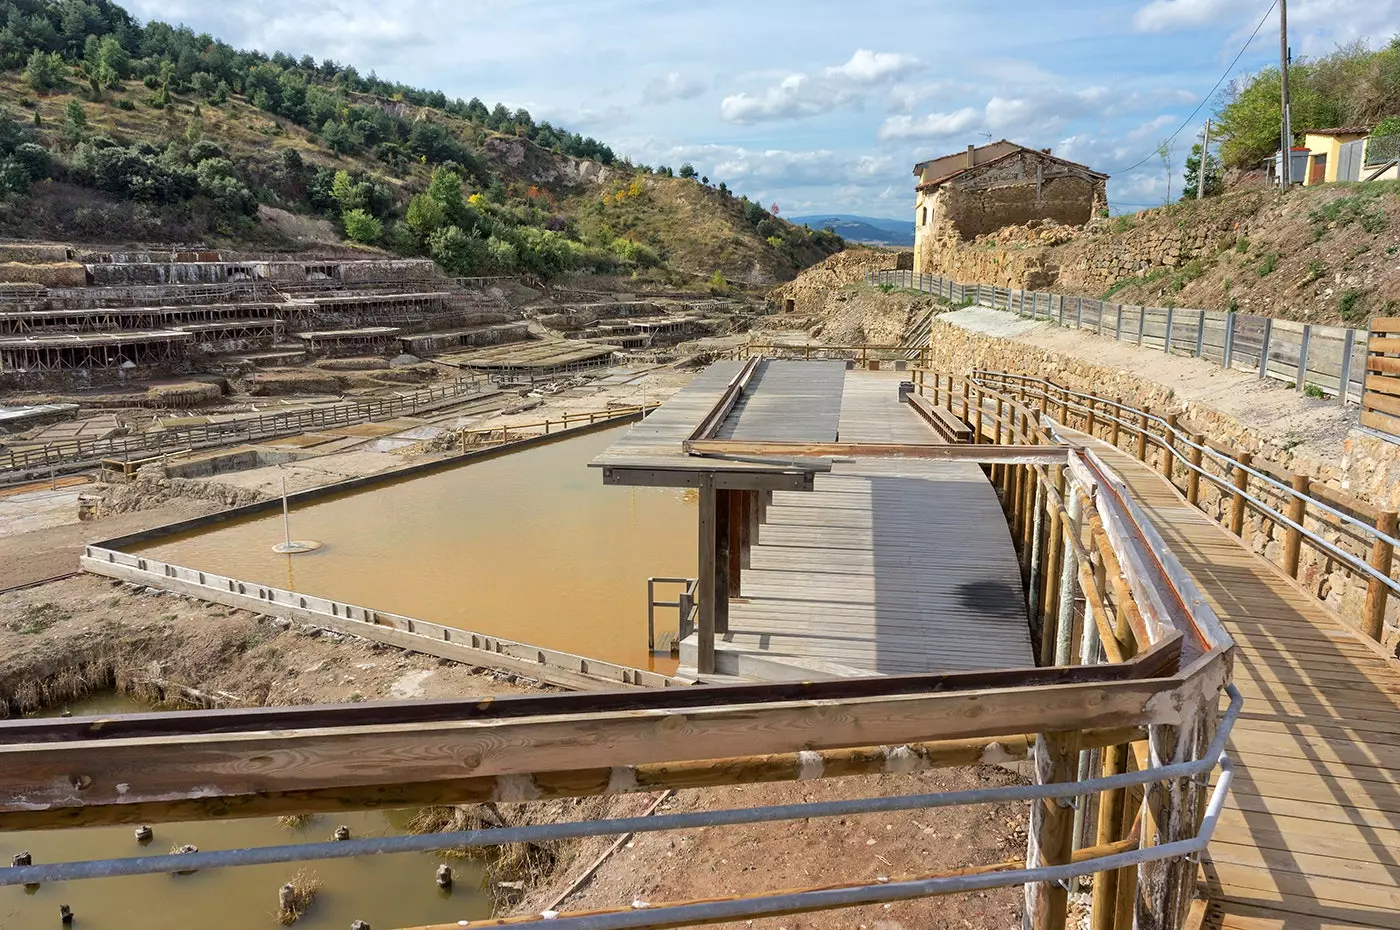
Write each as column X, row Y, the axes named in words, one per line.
column 891, row 566
column 1310, row 837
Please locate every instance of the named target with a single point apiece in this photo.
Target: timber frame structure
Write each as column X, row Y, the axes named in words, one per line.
column 1121, row 716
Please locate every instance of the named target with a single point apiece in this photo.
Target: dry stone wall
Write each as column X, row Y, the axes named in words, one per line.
column 1368, row 468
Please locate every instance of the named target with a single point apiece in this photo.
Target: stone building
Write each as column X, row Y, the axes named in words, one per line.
column 964, row 195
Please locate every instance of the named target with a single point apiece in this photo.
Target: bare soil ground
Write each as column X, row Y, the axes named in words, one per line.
column 1286, row 417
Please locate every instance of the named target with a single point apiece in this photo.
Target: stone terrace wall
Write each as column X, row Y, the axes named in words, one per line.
column 1368, row 467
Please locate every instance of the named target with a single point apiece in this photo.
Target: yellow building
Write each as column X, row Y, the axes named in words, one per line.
column 1326, row 155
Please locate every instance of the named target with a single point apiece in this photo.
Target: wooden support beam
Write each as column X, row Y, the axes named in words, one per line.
column 1050, row 835
column 1115, row 427
column 738, row 546
column 708, row 577
column 1193, row 479
column 51, row 776
column 1168, row 450
column 1142, row 436
column 948, row 452
column 1105, row 893
column 723, row 565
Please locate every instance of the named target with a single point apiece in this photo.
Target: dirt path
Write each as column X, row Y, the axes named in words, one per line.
column 1286, row 417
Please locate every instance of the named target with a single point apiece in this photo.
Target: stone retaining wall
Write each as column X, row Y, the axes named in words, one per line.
column 1368, row 467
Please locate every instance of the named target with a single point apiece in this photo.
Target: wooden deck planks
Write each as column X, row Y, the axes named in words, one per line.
column 1310, row 837
column 889, row 565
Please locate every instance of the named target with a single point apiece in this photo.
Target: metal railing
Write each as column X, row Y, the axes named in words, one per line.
column 1330, row 359
column 1188, row 454
column 72, row 452
column 684, row 604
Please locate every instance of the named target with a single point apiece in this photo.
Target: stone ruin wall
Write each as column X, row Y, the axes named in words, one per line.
column 1087, row 261
column 1367, row 468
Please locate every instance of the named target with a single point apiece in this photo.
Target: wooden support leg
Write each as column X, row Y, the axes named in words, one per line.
column 753, row 515
column 705, row 651
column 1105, row 901
column 1051, row 829
column 1166, row 887
column 738, row 527
column 723, row 540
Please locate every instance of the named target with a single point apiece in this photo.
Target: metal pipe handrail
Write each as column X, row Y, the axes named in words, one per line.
column 499, row 836
column 1205, row 449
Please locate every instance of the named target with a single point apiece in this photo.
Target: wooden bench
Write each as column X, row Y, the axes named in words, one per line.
column 942, row 421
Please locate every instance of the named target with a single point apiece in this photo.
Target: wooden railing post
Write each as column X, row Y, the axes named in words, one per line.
column 1382, row 553
column 965, row 412
column 1091, row 418
column 1296, row 512
column 708, row 573
column 977, row 427
column 1241, row 482
column 1142, row 436
column 1193, row 480
column 1168, row 450
column 1051, row 829
column 1114, row 425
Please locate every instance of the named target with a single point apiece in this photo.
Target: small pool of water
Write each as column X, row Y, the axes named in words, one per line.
column 529, row 546
column 386, row 891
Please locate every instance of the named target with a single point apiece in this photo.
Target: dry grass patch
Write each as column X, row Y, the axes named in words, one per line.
column 295, row 897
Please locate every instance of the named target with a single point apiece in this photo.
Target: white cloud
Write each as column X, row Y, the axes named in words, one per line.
column 1166, row 15
column 672, row 87
column 932, row 126
column 867, row 67
column 802, row 95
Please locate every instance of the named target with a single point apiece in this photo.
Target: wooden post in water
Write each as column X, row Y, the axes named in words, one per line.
column 1241, row 483
column 738, row 545
column 705, row 651
column 723, row 566
column 1296, row 512
column 1382, row 553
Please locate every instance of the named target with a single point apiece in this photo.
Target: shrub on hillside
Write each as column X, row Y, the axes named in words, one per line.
column 361, row 227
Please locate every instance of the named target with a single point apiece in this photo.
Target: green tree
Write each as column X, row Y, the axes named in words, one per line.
column 111, row 62
column 361, row 227
column 337, row 136
column 458, row 252
column 1214, row 184
column 718, row 283
column 425, row 216
column 347, row 194
column 44, row 71
column 446, row 188
column 687, row 170
column 75, row 122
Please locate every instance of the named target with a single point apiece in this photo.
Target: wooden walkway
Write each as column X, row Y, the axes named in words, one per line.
column 891, row 566
column 1310, row 837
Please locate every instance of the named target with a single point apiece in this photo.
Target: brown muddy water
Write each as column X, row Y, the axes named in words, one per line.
column 386, row 891
column 529, row 546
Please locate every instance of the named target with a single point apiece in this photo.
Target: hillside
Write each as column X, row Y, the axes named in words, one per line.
column 869, row 230
column 1323, row 254
column 117, row 133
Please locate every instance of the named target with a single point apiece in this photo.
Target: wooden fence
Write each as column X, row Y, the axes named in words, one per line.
column 73, row 451
column 1322, row 360
column 1380, row 404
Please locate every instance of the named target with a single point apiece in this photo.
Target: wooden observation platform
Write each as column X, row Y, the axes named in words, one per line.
column 837, row 566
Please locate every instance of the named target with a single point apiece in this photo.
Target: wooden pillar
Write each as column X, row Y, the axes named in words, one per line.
column 753, row 516
column 723, row 566
column 1241, row 483
column 738, row 527
column 1142, row 436
column 1193, row 480
column 977, row 427
column 1114, row 426
column 705, row 647
column 1297, row 512
column 966, row 413
column 948, row 397
column 1051, row 829
column 1105, row 900
column 1169, row 448
column 999, row 472
column 1166, row 887
column 1382, row 552
column 1091, row 418
column 1055, row 542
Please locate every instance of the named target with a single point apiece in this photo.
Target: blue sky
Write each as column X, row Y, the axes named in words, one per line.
column 819, row 106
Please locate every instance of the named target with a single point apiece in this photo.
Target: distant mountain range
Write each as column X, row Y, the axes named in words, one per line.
column 870, row 229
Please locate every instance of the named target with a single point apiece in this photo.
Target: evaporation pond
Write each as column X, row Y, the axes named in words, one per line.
column 529, row 546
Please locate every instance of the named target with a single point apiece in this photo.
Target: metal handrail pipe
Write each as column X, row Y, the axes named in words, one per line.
column 1219, row 456
column 267, row 855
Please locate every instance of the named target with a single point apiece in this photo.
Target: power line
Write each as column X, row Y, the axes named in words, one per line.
column 1207, row 97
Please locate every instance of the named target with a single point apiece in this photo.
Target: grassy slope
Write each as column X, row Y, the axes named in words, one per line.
column 1307, row 256
column 694, row 228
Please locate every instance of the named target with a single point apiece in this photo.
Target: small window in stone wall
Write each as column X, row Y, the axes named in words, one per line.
column 924, row 221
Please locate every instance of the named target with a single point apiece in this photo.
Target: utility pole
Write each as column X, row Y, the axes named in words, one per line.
column 1287, row 128
column 1205, row 160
